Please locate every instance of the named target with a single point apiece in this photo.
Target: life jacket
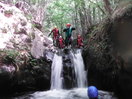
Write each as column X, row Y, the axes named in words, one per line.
column 80, row 41
column 69, row 32
column 61, row 42
column 55, row 33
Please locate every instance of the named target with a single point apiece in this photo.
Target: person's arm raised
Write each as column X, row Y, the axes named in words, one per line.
column 73, row 28
column 49, row 33
column 64, row 30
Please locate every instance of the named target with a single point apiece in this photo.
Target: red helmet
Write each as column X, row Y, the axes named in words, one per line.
column 68, row 25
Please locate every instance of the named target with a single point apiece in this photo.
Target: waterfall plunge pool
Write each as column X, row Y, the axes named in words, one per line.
column 77, row 93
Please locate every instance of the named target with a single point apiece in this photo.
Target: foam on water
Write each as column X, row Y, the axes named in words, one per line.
column 61, row 94
column 77, row 93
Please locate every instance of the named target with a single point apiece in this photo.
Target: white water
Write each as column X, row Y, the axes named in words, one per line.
column 62, row 94
column 78, row 93
column 57, row 66
column 79, row 69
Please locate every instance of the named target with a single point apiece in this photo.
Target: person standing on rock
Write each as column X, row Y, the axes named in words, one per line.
column 61, row 42
column 68, row 33
column 55, row 32
column 79, row 41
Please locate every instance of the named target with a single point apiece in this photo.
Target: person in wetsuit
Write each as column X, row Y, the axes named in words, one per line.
column 55, row 32
column 68, row 33
column 61, row 42
column 79, row 41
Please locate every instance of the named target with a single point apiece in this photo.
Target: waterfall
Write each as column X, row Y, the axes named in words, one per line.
column 78, row 66
column 56, row 79
column 79, row 69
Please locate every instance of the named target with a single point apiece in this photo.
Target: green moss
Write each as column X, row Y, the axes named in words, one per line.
column 20, row 60
column 8, row 56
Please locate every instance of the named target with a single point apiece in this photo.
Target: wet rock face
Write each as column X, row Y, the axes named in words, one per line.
column 49, row 55
column 108, row 59
column 123, row 34
column 68, row 71
column 29, row 78
column 104, row 78
column 5, row 78
column 124, row 52
column 23, row 73
column 33, row 78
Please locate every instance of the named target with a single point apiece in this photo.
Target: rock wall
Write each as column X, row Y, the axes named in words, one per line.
column 41, row 44
column 107, row 54
column 25, row 53
column 15, row 28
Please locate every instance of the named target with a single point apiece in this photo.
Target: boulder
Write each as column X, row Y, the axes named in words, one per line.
column 41, row 44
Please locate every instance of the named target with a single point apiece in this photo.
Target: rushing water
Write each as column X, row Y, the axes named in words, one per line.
column 57, row 67
column 79, row 69
column 56, row 78
column 78, row 93
column 57, row 91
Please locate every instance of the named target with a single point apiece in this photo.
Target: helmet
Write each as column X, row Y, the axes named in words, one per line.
column 79, row 36
column 55, row 27
column 60, row 37
column 92, row 92
column 68, row 25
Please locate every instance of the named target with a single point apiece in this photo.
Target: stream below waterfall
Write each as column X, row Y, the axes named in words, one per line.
column 77, row 93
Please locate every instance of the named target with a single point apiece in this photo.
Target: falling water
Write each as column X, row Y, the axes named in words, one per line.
column 79, row 69
column 56, row 79
column 57, row 67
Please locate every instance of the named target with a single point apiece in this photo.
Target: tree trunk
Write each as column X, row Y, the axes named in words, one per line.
column 76, row 20
column 85, row 17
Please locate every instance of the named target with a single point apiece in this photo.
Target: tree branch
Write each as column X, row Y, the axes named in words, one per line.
column 98, row 7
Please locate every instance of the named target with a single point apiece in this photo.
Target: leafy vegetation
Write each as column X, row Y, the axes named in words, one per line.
column 8, row 56
column 81, row 13
column 20, row 59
